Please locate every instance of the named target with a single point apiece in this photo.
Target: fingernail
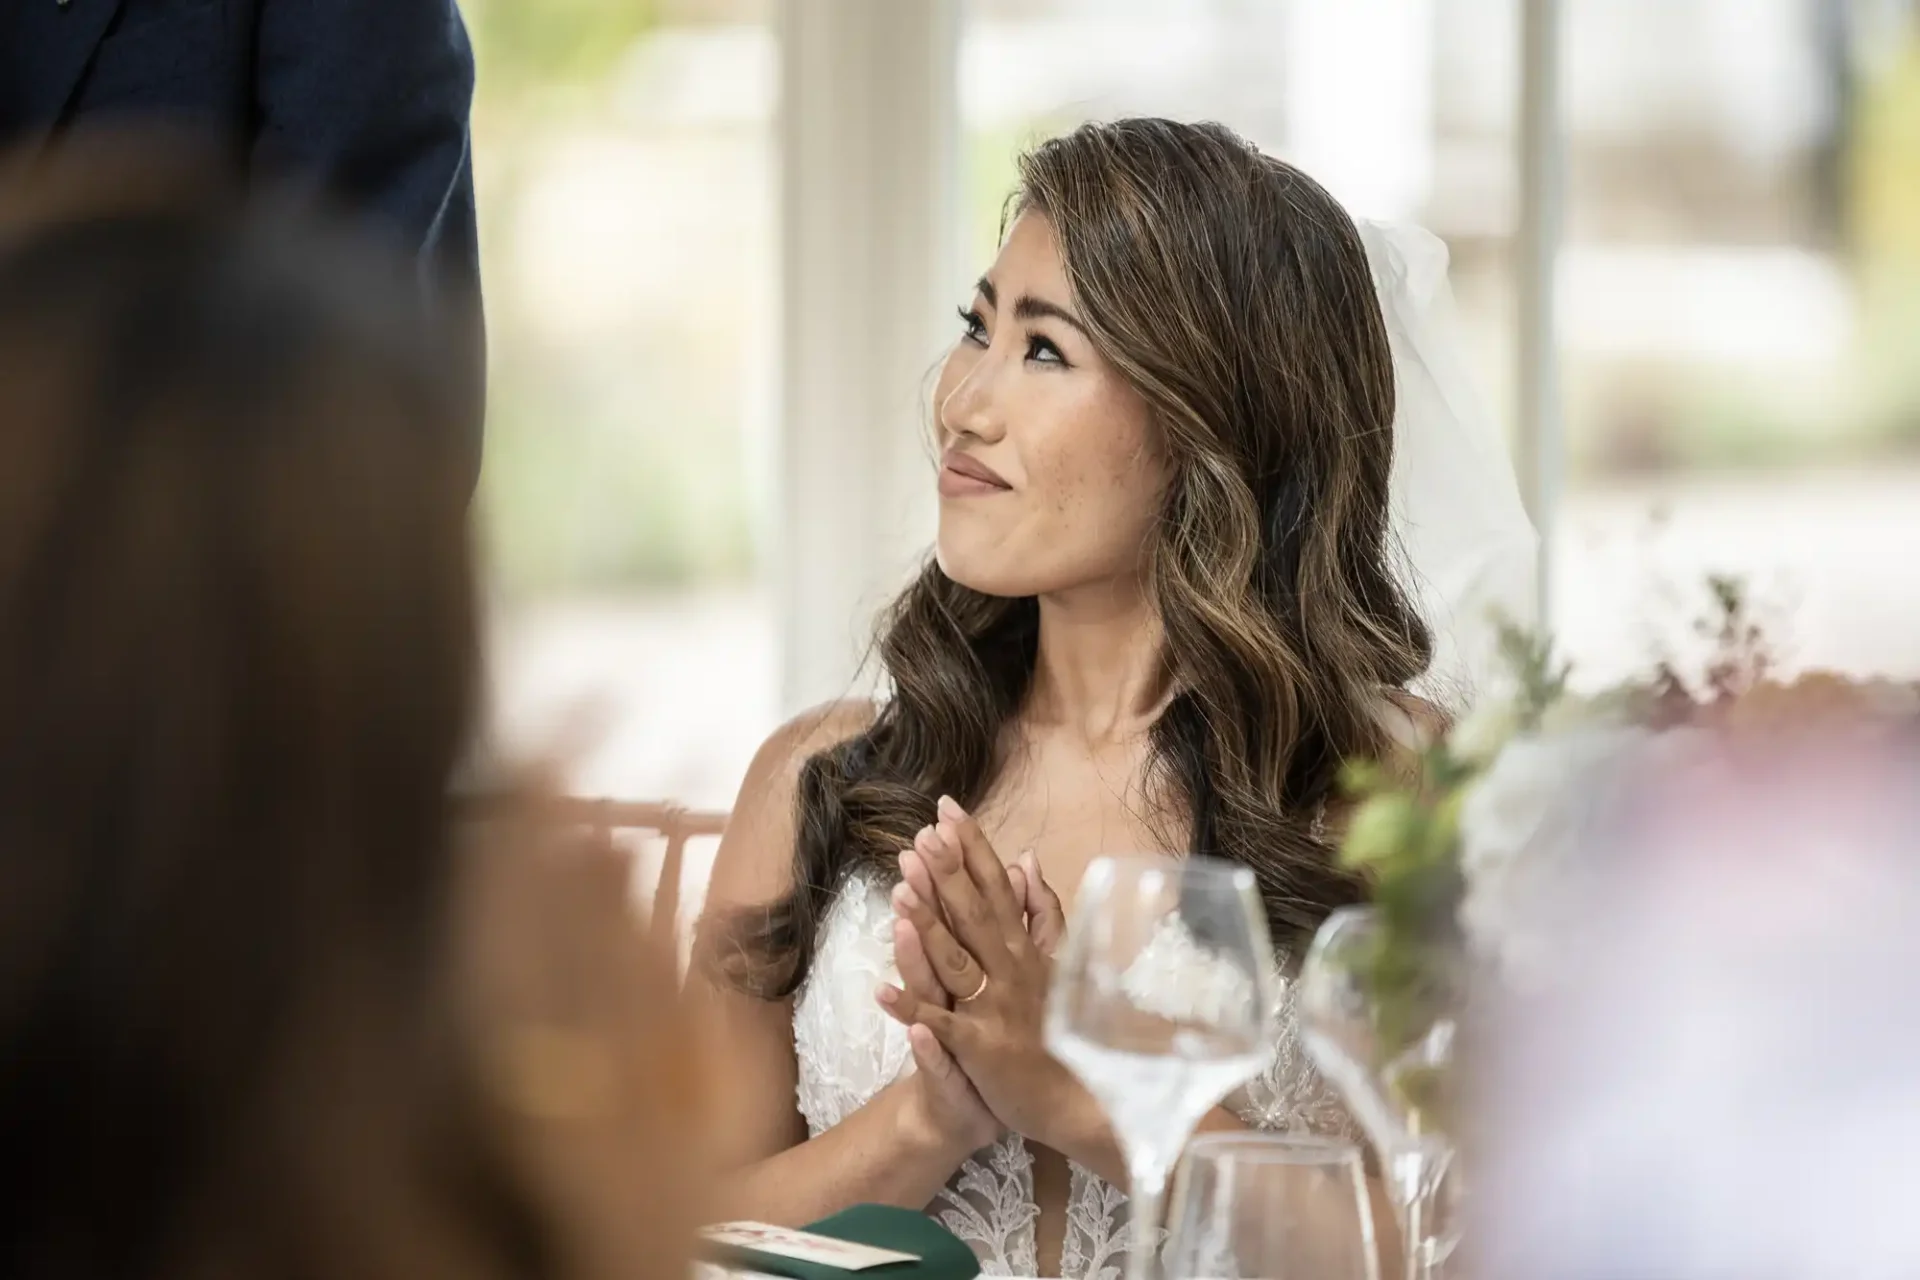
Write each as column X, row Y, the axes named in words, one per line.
column 885, row 995
column 949, row 810
column 905, row 896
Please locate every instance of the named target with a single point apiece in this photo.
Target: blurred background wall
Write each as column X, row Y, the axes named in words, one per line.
column 700, row 353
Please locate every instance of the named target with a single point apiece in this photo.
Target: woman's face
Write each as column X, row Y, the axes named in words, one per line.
column 1050, row 475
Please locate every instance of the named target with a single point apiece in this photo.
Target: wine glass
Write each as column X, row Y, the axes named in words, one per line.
column 1162, row 1003
column 1253, row 1206
column 1380, row 1028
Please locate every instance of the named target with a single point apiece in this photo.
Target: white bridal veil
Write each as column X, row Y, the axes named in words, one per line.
column 1469, row 549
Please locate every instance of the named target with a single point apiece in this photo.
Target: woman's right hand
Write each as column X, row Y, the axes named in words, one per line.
column 944, row 1104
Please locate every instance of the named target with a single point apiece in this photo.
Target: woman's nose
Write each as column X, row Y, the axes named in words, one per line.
column 971, row 408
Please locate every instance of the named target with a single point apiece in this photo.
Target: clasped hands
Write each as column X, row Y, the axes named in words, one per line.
column 973, row 939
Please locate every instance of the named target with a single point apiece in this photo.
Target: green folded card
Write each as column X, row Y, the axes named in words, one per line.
column 941, row 1254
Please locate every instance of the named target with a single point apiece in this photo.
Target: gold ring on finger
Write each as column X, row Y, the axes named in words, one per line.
column 976, row 991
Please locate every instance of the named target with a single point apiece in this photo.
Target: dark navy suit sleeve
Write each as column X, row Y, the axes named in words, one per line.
column 374, row 99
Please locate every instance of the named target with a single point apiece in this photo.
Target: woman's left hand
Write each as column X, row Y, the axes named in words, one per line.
column 987, row 937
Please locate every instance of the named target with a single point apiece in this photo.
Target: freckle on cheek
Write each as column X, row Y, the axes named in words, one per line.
column 1074, row 493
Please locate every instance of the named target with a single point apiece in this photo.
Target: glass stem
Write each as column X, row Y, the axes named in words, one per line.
column 1414, row 1238
column 1417, row 1230
column 1148, row 1187
column 1415, row 1182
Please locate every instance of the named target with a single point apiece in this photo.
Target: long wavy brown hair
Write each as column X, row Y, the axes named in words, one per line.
column 1234, row 294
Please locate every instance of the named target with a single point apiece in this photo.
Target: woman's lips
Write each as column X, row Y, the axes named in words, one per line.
column 962, row 476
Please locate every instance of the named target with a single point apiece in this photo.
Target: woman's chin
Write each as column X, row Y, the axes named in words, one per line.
column 988, row 575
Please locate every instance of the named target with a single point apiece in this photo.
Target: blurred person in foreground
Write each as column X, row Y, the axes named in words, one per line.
column 366, row 101
column 263, row 1011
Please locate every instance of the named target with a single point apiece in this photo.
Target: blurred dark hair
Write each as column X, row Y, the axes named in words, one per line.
column 238, row 666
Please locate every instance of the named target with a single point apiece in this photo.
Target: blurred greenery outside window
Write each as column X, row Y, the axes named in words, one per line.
column 624, row 152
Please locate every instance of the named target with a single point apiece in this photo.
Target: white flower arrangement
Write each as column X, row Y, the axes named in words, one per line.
column 1478, row 845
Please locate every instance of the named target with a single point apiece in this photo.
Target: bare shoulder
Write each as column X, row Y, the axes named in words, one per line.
column 1413, row 723
column 754, row 863
column 813, row 731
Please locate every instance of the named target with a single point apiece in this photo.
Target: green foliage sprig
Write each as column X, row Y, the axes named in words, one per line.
column 1405, row 838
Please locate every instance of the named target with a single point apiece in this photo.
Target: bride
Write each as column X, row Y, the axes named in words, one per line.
column 1165, row 606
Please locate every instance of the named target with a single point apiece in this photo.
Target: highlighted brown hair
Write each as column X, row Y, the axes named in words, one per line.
column 1234, row 293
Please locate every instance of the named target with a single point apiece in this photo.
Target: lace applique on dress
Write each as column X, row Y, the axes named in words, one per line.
column 848, row 1050
column 1176, row 978
column 1290, row 1096
column 846, row 1047
column 1098, row 1230
column 989, row 1204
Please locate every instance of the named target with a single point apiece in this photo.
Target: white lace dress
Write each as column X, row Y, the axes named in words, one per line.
column 849, row 1050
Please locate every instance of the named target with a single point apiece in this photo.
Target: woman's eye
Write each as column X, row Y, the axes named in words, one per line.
column 976, row 328
column 1043, row 351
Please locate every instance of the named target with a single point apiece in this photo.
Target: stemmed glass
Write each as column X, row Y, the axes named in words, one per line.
column 1381, row 1027
column 1253, row 1206
column 1162, row 1003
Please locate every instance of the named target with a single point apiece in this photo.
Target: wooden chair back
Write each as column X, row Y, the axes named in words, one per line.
column 671, row 826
